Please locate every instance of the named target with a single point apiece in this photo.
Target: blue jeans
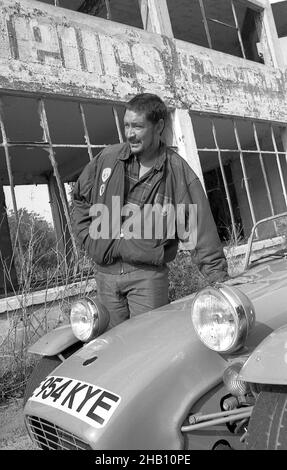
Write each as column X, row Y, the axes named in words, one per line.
column 127, row 294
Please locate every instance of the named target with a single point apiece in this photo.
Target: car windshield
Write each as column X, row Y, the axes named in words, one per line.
column 268, row 239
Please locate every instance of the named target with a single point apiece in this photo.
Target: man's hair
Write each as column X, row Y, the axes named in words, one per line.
column 152, row 105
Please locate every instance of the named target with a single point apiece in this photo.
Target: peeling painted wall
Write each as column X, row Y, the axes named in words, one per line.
column 56, row 51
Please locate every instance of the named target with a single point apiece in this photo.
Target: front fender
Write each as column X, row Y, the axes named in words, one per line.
column 54, row 342
column 268, row 362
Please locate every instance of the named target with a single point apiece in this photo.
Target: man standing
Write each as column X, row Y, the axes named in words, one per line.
column 145, row 178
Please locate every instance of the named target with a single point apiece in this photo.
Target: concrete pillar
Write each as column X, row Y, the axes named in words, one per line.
column 185, row 141
column 155, row 16
column 64, row 242
column 269, row 41
column 8, row 275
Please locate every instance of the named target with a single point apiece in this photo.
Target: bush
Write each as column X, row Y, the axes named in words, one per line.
column 184, row 276
column 38, row 241
column 14, row 377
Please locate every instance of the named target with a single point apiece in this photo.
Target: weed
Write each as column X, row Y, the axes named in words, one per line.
column 23, row 325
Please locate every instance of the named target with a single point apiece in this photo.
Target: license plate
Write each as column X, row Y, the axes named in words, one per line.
column 90, row 403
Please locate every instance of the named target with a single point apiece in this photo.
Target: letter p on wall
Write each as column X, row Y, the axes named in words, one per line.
column 32, row 41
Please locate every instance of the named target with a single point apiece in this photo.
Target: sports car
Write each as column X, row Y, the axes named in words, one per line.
column 190, row 375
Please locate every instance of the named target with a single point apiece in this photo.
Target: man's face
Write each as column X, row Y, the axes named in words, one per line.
column 141, row 134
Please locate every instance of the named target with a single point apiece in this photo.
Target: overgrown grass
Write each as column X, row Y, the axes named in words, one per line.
column 23, row 326
column 184, row 276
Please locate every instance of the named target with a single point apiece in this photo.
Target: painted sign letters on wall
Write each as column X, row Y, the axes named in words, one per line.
column 51, row 50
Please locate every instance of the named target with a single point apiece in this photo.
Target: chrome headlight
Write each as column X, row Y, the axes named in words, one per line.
column 222, row 317
column 89, row 318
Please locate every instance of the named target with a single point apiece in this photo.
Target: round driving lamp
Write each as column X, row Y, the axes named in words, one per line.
column 88, row 318
column 222, row 317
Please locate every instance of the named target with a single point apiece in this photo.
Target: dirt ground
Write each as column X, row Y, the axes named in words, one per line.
column 13, row 434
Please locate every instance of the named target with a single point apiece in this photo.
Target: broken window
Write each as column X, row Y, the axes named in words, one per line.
column 49, row 141
column 245, row 172
column 280, row 14
column 125, row 11
column 224, row 25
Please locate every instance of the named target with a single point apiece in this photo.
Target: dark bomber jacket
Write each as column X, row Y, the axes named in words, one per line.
column 176, row 183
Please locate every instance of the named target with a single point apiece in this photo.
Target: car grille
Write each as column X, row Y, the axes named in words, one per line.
column 48, row 436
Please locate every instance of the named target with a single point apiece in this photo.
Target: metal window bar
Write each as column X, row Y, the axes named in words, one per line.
column 108, row 8
column 238, row 29
column 46, row 145
column 205, row 23
column 222, row 23
column 245, row 178
column 267, row 152
column 279, row 164
column 284, row 141
column 47, row 137
column 117, row 121
column 11, row 179
column 43, row 145
column 143, row 4
column 206, row 19
column 233, row 225
column 263, row 168
column 86, row 133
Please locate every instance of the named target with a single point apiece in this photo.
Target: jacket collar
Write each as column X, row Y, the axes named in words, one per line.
column 162, row 157
column 125, row 154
